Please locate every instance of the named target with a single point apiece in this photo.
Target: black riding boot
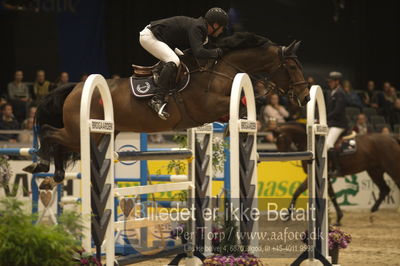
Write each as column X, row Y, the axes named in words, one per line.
column 165, row 82
column 333, row 157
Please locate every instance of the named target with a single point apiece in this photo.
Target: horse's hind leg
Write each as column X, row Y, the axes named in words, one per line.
column 377, row 177
column 61, row 142
column 300, row 189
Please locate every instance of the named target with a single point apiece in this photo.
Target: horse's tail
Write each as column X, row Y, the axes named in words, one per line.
column 50, row 112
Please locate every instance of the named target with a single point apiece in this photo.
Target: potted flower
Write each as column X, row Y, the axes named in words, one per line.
column 86, row 258
column 242, row 259
column 337, row 239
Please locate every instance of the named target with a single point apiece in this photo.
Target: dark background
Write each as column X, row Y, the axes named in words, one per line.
column 101, row 36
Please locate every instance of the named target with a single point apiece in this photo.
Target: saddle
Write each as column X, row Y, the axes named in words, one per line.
column 144, row 79
column 346, row 143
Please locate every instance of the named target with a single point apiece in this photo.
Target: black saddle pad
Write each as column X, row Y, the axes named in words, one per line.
column 146, row 87
column 143, row 86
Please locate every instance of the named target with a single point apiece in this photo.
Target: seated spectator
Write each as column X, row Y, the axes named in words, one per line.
column 272, row 125
column 63, row 79
column 395, row 114
column 275, row 110
column 362, row 126
column 28, row 124
column 386, row 100
column 18, row 95
column 370, row 96
column 18, row 90
column 156, row 138
column 3, row 101
column 8, row 122
column 310, row 81
column 41, row 87
column 352, row 98
column 385, row 131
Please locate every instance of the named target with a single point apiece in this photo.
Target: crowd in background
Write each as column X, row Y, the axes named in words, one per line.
column 370, row 109
column 18, row 104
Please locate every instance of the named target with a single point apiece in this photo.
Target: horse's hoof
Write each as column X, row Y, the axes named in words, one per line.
column 59, row 176
column 337, row 224
column 37, row 168
column 30, row 168
column 48, row 184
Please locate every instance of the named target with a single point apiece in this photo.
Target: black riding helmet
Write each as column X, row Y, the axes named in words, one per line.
column 217, row 15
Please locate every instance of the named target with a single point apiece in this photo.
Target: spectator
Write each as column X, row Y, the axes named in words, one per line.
column 386, row 100
column 272, row 125
column 385, row 130
column 275, row 110
column 18, row 95
column 18, row 90
column 352, row 98
column 8, row 122
column 63, row 79
column 3, row 101
column 310, row 81
column 41, row 87
column 370, row 96
column 28, row 123
column 362, row 126
column 395, row 114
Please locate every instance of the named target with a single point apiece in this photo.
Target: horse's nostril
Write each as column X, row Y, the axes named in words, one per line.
column 307, row 98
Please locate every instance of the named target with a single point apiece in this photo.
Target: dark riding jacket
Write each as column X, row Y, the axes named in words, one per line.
column 184, row 33
column 336, row 109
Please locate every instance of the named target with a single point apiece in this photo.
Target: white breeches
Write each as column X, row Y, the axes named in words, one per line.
column 333, row 135
column 157, row 48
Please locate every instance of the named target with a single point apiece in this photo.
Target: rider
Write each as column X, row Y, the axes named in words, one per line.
column 336, row 116
column 162, row 36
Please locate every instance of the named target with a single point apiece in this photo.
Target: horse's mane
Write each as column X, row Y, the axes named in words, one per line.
column 243, row 40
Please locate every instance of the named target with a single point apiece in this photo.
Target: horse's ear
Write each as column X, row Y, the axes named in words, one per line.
column 296, row 46
column 292, row 48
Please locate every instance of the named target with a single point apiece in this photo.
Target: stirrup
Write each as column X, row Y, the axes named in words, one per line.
column 163, row 115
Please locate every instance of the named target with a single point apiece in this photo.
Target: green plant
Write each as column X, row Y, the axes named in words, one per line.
column 5, row 171
column 218, row 147
column 24, row 243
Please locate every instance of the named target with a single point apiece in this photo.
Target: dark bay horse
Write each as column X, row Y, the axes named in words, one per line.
column 205, row 99
column 376, row 153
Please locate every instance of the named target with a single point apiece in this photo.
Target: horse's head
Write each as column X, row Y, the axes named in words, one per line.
column 254, row 54
column 286, row 74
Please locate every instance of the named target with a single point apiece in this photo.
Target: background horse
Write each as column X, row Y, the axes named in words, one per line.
column 376, row 153
column 205, row 99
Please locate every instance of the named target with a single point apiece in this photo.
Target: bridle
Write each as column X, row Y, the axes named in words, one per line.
column 266, row 81
column 271, row 86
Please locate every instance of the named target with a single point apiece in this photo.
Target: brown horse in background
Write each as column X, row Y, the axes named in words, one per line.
column 376, row 153
column 205, row 100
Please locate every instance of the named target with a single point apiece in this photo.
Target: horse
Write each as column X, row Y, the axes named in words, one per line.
column 205, row 99
column 376, row 153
